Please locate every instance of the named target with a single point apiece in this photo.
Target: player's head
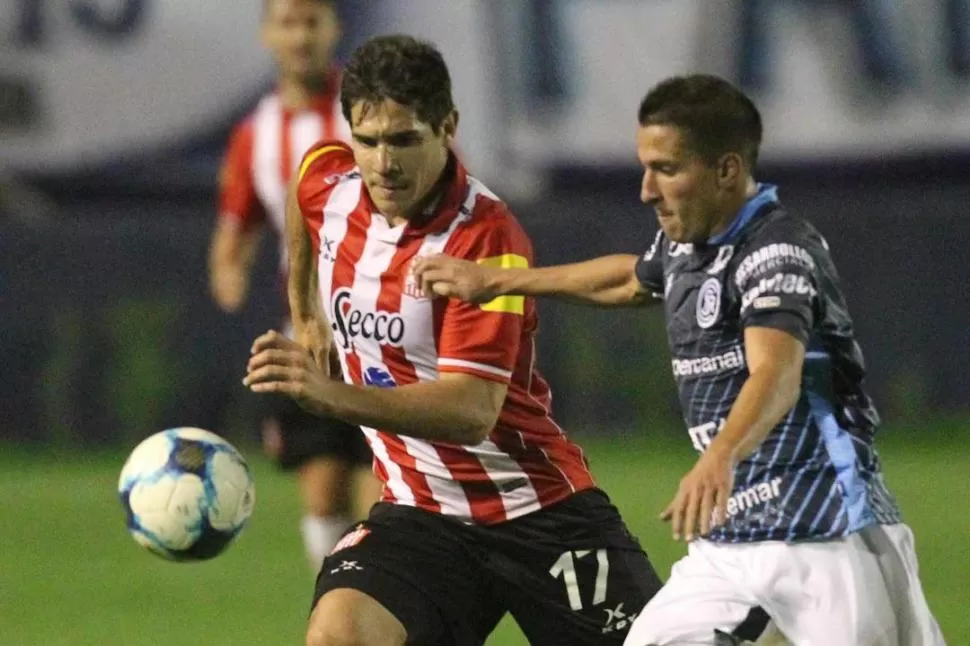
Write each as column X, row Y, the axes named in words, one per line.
column 396, row 95
column 698, row 143
column 301, row 35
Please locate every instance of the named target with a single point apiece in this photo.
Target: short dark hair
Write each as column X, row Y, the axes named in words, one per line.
column 714, row 116
column 267, row 4
column 401, row 68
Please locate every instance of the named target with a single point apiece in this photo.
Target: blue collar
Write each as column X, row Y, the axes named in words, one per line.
column 767, row 194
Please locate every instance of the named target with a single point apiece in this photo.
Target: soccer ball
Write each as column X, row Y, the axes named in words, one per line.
column 187, row 493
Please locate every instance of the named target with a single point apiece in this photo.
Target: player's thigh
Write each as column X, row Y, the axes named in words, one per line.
column 698, row 603
column 417, row 566
column 572, row 574
column 349, row 616
column 860, row 590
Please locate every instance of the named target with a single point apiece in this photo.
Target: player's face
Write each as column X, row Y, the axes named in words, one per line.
column 401, row 158
column 680, row 185
column 301, row 35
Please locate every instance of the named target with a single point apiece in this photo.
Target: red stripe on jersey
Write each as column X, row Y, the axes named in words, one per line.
column 286, row 161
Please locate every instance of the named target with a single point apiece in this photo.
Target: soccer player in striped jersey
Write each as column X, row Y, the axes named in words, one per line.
column 333, row 467
column 488, row 507
column 786, row 507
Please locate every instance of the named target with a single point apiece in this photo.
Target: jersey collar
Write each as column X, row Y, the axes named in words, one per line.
column 442, row 212
column 767, row 194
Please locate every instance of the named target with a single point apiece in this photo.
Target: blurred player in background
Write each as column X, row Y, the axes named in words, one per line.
column 786, row 507
column 488, row 507
column 331, row 459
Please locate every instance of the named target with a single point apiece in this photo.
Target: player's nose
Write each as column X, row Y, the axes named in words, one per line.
column 649, row 191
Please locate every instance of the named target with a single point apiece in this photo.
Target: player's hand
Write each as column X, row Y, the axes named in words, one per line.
column 280, row 365
column 228, row 289
column 701, row 500
column 454, row 278
column 317, row 339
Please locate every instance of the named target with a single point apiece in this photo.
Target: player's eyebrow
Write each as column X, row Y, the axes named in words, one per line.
column 398, row 138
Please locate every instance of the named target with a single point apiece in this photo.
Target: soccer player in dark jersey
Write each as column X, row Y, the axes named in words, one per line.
column 786, row 507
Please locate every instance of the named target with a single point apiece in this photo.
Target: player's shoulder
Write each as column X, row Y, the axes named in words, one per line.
column 326, row 159
column 488, row 222
column 781, row 226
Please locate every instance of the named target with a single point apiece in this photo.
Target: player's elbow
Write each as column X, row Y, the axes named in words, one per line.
column 475, row 426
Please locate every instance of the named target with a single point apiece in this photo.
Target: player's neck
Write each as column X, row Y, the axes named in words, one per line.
column 732, row 208
column 298, row 93
column 425, row 208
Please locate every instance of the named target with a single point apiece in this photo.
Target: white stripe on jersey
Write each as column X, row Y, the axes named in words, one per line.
column 502, row 469
column 267, row 161
column 271, row 171
column 395, row 480
column 343, row 199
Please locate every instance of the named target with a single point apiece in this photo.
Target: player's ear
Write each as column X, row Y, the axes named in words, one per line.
column 450, row 127
column 729, row 169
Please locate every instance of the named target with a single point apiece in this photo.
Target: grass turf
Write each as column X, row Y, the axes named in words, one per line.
column 69, row 573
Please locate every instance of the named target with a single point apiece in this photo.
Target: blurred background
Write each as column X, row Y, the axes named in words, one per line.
column 114, row 116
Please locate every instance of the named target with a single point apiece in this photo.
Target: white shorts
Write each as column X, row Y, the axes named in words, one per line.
column 859, row 590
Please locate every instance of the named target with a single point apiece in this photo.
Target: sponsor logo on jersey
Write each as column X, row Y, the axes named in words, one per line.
column 730, row 360
column 771, row 257
column 778, row 284
column 349, row 323
column 723, row 257
column 378, row 377
column 753, row 496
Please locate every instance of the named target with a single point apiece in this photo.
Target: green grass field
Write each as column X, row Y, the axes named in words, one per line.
column 70, row 575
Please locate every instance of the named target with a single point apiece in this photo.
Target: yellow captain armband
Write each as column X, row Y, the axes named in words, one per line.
column 506, row 304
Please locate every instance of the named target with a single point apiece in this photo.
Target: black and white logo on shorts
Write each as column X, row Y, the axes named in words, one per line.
column 709, row 303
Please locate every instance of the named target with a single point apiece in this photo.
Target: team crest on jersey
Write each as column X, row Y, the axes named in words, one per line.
column 411, row 286
column 709, row 303
column 350, row 539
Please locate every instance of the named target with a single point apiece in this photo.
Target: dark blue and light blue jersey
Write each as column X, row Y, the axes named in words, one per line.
column 816, row 475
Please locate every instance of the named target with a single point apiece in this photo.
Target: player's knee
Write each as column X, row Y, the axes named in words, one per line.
column 347, row 617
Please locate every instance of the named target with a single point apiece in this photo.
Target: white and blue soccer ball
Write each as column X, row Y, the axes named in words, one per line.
column 187, row 493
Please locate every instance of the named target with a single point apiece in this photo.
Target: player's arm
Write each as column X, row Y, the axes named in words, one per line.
column 458, row 408
column 775, row 359
column 310, row 326
column 608, row 281
column 231, row 254
column 235, row 238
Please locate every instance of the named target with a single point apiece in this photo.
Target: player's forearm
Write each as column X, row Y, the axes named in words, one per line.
column 434, row 411
column 606, row 281
column 764, row 400
column 301, row 282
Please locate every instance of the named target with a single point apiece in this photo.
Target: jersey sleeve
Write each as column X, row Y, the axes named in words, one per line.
column 484, row 339
column 650, row 269
column 777, row 279
column 237, row 193
column 321, row 165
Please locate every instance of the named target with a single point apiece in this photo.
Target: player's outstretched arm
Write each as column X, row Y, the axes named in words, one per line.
column 608, row 281
column 774, row 358
column 457, row 408
column 310, row 325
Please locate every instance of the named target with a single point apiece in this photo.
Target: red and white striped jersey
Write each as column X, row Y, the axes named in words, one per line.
column 264, row 152
column 390, row 334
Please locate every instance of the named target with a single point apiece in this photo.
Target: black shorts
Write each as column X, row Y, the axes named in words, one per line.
column 307, row 436
column 569, row 574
